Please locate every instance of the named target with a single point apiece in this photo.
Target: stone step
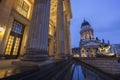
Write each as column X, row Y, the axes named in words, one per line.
column 107, row 65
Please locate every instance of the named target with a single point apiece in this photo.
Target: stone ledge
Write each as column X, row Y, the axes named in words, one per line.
column 31, row 64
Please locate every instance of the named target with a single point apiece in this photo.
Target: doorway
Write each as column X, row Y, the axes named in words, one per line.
column 14, row 41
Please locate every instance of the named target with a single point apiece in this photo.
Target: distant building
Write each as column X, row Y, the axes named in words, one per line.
column 116, row 49
column 76, row 51
column 90, row 46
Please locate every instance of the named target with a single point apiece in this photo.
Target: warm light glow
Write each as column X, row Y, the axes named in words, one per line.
column 105, row 49
column 1, row 29
column 30, row 5
column 24, row 8
column 83, row 55
column 76, row 55
column 110, row 54
column 53, row 11
column 50, row 30
column 9, row 46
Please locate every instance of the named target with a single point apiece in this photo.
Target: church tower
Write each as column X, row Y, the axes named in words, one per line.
column 86, row 31
column 87, row 43
column 90, row 46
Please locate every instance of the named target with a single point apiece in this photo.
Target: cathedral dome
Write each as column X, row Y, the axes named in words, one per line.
column 86, row 30
column 85, row 26
column 85, row 23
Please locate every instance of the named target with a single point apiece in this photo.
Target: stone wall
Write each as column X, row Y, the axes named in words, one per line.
column 107, row 65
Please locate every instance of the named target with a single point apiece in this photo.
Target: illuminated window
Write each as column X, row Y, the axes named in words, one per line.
column 9, row 46
column 23, row 8
column 15, row 39
column 16, row 46
column 17, row 27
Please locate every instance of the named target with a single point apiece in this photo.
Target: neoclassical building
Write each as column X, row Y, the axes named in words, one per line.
column 35, row 29
column 116, row 49
column 89, row 45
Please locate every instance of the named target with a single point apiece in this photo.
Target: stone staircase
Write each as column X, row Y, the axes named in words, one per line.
column 107, row 65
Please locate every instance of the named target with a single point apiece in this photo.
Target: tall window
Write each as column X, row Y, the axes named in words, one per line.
column 17, row 27
column 15, row 39
column 23, row 8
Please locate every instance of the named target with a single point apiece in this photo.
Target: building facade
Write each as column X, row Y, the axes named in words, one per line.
column 76, row 50
column 90, row 46
column 35, row 28
column 116, row 49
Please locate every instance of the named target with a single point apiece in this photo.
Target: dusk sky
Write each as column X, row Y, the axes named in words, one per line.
column 103, row 15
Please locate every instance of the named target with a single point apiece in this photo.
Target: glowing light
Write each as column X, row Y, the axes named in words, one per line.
column 105, row 49
column 25, row 9
column 83, row 55
column 76, row 55
column 110, row 54
column 1, row 29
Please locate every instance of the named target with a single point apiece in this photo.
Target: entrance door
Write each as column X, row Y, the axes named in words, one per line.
column 14, row 41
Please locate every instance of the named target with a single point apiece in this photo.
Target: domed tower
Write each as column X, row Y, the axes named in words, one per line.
column 86, row 31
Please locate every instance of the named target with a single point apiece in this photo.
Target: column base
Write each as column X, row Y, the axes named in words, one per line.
column 33, row 54
column 59, row 56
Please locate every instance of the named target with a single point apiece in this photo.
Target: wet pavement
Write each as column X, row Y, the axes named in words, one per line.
column 78, row 72
column 82, row 73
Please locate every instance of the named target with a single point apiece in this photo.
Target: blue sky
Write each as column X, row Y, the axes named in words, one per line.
column 103, row 15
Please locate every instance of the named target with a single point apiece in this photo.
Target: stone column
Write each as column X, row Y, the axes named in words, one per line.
column 69, row 38
column 89, row 52
column 92, row 53
column 85, row 51
column 60, row 30
column 51, row 47
column 65, row 34
column 37, row 42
